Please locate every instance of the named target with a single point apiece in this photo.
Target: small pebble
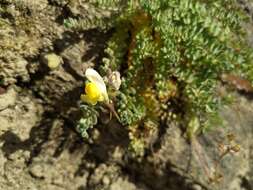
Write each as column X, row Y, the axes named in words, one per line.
column 53, row 61
column 106, row 180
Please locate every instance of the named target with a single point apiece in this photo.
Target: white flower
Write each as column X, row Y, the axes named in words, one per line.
column 114, row 80
column 95, row 89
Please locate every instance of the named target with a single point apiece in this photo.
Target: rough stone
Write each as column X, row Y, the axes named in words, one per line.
column 12, row 70
column 8, row 99
column 39, row 148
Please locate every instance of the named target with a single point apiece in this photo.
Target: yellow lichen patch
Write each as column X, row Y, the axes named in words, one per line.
column 152, row 104
column 170, row 91
column 141, row 19
column 53, row 60
column 141, row 135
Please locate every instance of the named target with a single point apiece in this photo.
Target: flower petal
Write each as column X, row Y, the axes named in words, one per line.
column 86, row 99
column 95, row 78
column 92, row 91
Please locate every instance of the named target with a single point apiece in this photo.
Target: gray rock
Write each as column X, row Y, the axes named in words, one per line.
column 8, row 99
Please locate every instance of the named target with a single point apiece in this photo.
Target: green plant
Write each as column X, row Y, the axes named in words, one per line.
column 171, row 55
column 88, row 120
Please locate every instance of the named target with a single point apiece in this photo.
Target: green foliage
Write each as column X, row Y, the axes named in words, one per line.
column 104, row 15
column 130, row 109
column 88, row 120
column 76, row 24
column 172, row 55
column 105, row 4
column 116, row 49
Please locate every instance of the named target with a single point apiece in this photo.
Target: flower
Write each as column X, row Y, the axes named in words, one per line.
column 95, row 89
column 114, row 80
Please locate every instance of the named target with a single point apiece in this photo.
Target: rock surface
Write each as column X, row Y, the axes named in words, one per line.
column 39, row 148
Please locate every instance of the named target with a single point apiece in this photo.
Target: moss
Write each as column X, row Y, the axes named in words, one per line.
column 172, row 55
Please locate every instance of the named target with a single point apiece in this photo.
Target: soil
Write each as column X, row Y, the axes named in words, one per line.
column 39, row 147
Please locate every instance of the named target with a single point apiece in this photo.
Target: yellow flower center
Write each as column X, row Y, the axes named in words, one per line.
column 93, row 94
column 92, row 91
